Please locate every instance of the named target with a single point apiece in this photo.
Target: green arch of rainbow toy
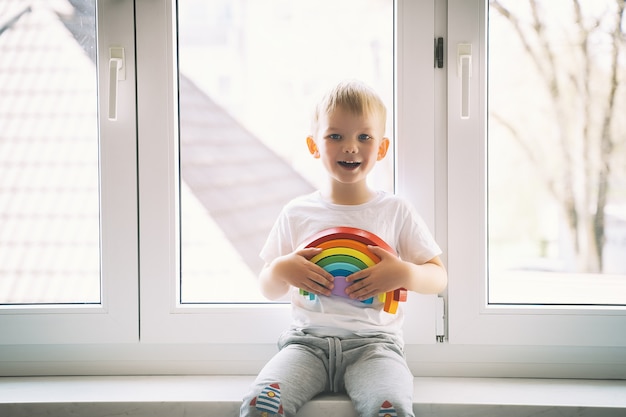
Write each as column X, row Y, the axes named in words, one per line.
column 344, row 252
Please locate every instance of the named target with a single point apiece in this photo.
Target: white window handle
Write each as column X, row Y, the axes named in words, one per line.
column 464, row 70
column 117, row 72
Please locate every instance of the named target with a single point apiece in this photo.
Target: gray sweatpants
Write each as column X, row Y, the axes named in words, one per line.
column 372, row 371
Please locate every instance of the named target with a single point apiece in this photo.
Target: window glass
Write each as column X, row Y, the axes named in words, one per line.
column 249, row 75
column 556, row 152
column 49, row 202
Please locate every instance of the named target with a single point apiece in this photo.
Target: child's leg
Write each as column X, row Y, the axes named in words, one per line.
column 290, row 379
column 379, row 381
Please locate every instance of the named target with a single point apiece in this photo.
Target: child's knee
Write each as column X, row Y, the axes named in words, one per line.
column 264, row 401
column 392, row 407
column 397, row 409
column 267, row 401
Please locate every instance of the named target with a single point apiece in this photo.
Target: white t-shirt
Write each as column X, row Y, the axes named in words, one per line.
column 388, row 216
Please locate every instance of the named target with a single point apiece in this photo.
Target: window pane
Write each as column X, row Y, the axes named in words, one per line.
column 49, row 208
column 556, row 151
column 250, row 73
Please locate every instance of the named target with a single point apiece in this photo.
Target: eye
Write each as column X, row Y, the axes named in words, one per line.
column 364, row 137
column 334, row 136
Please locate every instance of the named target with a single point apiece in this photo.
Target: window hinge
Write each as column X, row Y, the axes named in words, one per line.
column 440, row 324
column 438, row 52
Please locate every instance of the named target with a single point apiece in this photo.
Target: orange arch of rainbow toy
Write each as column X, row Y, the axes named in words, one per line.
column 344, row 251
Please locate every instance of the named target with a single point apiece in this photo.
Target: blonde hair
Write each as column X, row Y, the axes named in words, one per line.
column 353, row 96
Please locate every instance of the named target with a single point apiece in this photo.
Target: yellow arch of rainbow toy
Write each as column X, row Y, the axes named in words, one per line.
column 343, row 251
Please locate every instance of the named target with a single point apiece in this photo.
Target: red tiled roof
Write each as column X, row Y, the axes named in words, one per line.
column 49, row 215
column 242, row 183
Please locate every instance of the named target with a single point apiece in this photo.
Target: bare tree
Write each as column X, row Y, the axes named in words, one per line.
column 583, row 82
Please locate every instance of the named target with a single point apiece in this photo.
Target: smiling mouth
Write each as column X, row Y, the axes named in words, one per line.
column 349, row 164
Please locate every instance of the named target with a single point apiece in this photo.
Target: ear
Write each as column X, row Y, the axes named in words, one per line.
column 382, row 148
column 310, row 143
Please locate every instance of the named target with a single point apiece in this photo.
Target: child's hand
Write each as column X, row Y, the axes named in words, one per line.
column 387, row 275
column 296, row 269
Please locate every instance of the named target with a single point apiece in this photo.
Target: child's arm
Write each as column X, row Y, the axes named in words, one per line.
column 296, row 270
column 392, row 273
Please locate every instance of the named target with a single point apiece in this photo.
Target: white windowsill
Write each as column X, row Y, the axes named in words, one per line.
column 190, row 396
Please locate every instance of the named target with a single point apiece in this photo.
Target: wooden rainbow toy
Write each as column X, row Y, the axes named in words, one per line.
column 344, row 251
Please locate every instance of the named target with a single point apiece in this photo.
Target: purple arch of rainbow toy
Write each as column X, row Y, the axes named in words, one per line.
column 345, row 251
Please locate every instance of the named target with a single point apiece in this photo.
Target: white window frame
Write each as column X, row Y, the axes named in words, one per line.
column 115, row 319
column 584, row 341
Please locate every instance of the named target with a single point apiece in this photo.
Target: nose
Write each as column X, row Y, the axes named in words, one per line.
column 350, row 146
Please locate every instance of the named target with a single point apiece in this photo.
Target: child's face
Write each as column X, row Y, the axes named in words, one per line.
column 349, row 145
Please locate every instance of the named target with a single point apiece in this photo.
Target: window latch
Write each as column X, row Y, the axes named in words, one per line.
column 440, row 320
column 117, row 72
column 464, row 70
column 438, row 52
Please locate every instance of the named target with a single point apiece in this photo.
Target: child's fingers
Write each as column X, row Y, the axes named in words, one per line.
column 319, row 281
column 309, row 253
column 319, row 286
column 360, row 290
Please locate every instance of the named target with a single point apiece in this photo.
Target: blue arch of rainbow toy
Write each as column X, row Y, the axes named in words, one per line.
column 341, row 269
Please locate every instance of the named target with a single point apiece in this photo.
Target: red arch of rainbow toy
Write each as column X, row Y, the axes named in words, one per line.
column 344, row 251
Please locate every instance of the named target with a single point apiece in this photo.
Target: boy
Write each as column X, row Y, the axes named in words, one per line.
column 338, row 344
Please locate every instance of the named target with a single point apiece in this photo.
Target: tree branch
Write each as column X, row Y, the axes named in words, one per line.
column 607, row 143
